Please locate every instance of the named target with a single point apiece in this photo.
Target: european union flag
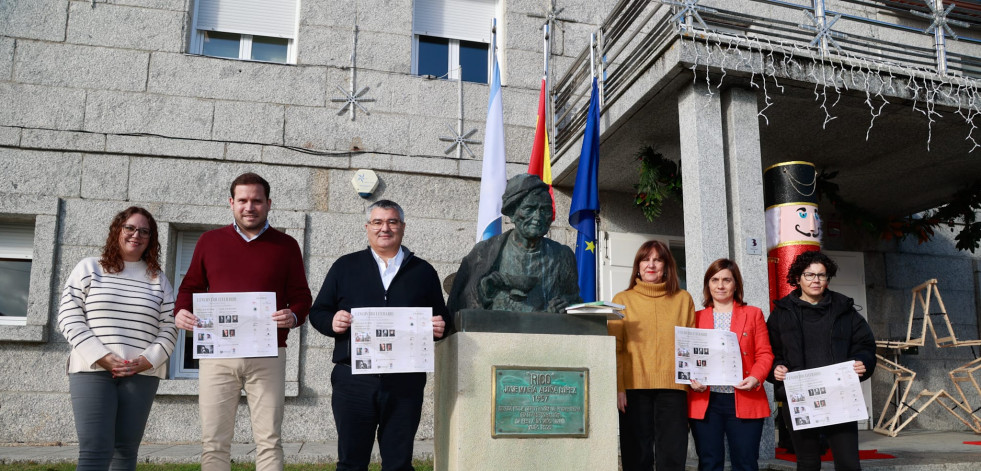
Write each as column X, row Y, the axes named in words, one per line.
column 585, row 201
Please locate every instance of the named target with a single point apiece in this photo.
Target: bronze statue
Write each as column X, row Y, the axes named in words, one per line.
column 519, row 270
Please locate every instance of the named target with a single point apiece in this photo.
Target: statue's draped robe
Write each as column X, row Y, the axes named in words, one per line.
column 552, row 264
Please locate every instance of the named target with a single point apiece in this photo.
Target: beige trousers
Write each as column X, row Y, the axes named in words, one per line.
column 221, row 382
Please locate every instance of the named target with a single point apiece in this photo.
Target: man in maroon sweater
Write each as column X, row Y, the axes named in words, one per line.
column 246, row 256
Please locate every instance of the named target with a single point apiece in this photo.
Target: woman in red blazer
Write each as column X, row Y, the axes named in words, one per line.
column 733, row 413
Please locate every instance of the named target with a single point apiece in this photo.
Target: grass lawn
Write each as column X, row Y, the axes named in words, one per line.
column 419, row 465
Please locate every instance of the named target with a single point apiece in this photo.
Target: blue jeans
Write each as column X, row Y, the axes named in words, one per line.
column 110, row 417
column 721, row 424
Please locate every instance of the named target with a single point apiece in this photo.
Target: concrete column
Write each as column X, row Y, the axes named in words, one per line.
column 744, row 180
column 704, row 182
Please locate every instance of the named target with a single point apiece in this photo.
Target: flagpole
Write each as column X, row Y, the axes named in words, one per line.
column 493, row 41
column 601, row 75
column 592, row 55
column 549, row 105
column 545, row 50
column 600, row 249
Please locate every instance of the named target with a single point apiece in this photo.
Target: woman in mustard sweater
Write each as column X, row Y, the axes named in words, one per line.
column 653, row 408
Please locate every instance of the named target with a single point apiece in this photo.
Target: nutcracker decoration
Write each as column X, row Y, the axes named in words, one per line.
column 792, row 223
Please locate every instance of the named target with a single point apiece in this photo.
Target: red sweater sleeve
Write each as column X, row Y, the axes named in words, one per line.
column 763, row 354
column 298, row 296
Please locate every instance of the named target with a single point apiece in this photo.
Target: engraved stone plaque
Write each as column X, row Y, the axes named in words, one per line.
column 540, row 402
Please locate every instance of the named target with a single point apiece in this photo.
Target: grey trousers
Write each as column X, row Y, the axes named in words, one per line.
column 110, row 417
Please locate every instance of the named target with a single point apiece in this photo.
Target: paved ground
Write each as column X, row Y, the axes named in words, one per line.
column 914, row 451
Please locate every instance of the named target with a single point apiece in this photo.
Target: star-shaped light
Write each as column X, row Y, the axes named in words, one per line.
column 352, row 100
column 460, row 140
column 692, row 7
column 824, row 31
column 939, row 18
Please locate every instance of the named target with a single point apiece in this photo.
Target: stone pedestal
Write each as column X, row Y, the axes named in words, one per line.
column 464, row 400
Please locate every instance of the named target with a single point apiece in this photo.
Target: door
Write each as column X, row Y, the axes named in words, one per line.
column 850, row 281
column 617, row 262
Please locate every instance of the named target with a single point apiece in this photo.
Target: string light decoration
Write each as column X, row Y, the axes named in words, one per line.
column 833, row 74
column 767, row 59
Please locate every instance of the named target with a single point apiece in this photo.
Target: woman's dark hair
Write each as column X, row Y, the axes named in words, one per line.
column 715, row 267
column 112, row 258
column 670, row 275
column 805, row 260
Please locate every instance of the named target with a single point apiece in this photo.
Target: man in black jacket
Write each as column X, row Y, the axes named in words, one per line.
column 835, row 332
column 383, row 275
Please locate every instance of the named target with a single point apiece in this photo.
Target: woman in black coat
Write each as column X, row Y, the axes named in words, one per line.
column 835, row 332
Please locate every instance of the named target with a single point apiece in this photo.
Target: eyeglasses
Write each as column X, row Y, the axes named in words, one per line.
column 143, row 232
column 378, row 223
column 819, row 276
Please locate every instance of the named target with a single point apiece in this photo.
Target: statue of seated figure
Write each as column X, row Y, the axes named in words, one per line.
column 519, row 270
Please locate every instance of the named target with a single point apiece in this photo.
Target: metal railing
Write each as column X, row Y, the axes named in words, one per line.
column 910, row 35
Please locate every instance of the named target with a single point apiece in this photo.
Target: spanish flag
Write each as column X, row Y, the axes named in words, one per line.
column 541, row 162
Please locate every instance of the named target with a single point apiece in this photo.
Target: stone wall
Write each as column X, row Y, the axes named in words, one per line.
column 892, row 269
column 103, row 108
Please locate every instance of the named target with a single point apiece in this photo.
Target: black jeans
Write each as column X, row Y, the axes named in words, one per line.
column 842, row 438
column 654, row 430
column 389, row 404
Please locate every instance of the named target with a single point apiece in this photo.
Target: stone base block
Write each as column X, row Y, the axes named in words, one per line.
column 464, row 402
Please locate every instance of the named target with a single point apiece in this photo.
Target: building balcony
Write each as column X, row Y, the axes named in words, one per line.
column 886, row 92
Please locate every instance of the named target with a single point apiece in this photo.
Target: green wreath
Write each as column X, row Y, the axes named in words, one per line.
column 660, row 179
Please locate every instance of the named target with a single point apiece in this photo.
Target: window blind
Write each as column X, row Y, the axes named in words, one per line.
column 273, row 18
column 469, row 20
column 185, row 249
column 17, row 241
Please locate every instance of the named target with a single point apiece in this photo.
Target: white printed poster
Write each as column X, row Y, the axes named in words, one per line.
column 825, row 396
column 392, row 340
column 707, row 355
column 235, row 325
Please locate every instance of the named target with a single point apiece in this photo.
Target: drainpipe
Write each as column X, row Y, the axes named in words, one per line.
column 940, row 41
column 822, row 21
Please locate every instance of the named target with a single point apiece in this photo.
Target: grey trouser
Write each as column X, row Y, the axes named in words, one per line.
column 110, row 417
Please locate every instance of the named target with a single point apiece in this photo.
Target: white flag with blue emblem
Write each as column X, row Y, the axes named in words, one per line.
column 493, row 177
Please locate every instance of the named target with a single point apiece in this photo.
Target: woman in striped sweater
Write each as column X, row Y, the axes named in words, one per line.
column 117, row 314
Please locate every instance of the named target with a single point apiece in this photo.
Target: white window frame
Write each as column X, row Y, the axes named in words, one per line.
column 453, row 56
column 452, row 59
column 245, row 44
column 181, row 258
column 42, row 213
column 613, row 277
column 16, row 243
